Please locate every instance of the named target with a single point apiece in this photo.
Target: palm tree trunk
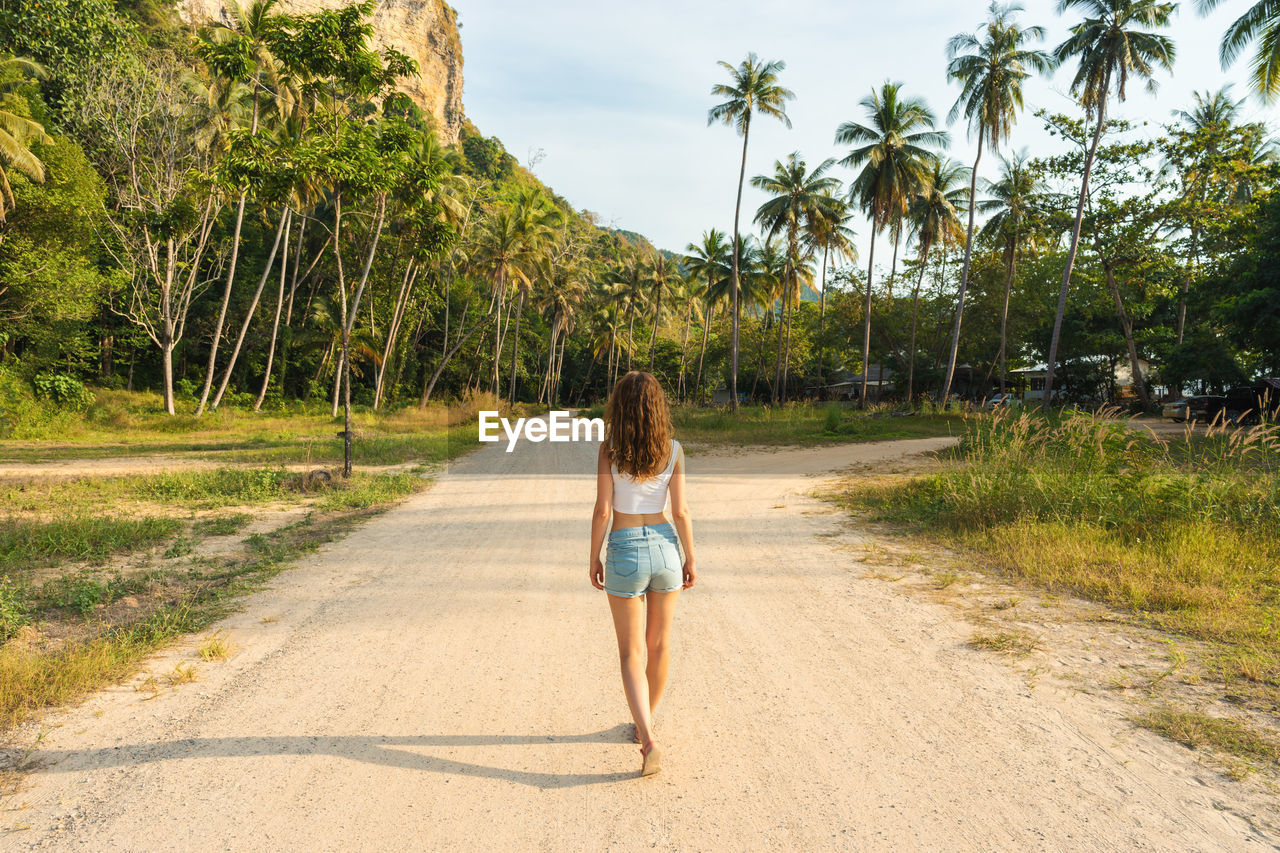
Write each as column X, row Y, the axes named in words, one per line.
column 253, row 308
column 393, row 331
column 682, row 391
column 776, row 391
column 349, row 316
column 275, row 324
column 964, row 272
column 222, row 312
column 866, row 325
column 1004, row 314
column 1186, row 282
column 1075, row 246
column 653, row 338
column 737, row 211
column 706, row 330
column 631, row 330
column 915, row 316
column 822, row 311
column 515, row 348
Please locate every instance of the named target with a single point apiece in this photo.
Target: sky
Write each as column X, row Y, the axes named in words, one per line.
column 609, row 100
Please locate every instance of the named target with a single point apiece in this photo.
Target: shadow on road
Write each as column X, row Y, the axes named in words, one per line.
column 372, row 749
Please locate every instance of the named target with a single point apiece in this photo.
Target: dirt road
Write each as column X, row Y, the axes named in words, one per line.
column 446, row 679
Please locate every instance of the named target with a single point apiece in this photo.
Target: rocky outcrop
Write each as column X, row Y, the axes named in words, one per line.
column 425, row 30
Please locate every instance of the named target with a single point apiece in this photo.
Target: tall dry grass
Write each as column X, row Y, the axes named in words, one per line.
column 1184, row 531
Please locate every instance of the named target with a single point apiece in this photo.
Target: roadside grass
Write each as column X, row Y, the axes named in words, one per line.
column 806, row 424
column 28, row 544
column 97, row 572
column 1195, row 729
column 1005, row 642
column 120, row 423
column 1183, row 533
column 38, row 671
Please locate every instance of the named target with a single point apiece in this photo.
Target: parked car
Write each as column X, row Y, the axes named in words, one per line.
column 1248, row 404
column 999, row 401
column 1202, row 407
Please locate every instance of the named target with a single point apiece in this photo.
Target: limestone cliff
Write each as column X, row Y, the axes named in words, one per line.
column 425, row 30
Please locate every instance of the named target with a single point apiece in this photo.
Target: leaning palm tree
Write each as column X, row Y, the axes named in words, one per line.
column 753, row 88
column 1011, row 202
column 894, row 153
column 1261, row 23
column 935, row 221
column 1109, row 50
column 17, row 130
column 798, row 196
column 990, row 66
column 631, row 281
column 709, row 260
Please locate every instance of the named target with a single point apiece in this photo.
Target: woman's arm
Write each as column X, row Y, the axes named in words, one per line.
column 683, row 520
column 601, row 515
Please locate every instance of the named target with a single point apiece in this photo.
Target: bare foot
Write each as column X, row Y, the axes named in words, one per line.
column 652, row 754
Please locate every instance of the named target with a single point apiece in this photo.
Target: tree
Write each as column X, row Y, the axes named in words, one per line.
column 799, row 197
column 753, row 88
column 830, row 231
column 990, row 68
column 895, row 154
column 1260, row 23
column 709, row 260
column 239, row 54
column 1109, row 49
column 135, row 116
column 933, row 217
column 18, row 131
column 1011, row 201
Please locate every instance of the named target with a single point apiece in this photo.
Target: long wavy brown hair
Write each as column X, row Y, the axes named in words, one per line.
column 638, row 426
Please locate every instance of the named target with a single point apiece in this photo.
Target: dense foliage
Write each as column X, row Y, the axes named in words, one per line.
column 250, row 213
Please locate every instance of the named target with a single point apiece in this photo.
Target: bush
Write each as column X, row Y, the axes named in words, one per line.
column 18, row 405
column 64, row 391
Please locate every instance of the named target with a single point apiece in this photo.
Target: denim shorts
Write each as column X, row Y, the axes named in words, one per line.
column 643, row 559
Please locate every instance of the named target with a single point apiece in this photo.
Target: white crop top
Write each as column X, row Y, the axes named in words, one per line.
column 632, row 496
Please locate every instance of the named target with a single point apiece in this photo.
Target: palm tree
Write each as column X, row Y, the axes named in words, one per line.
column 1011, row 201
column 1261, row 23
column 565, row 290
column 894, row 153
column 990, row 67
column 630, row 282
column 933, row 217
column 830, row 232
column 799, row 196
column 504, row 253
column 535, row 220
column 18, row 131
column 1109, row 50
column 753, row 89
column 661, row 276
column 690, row 290
column 710, row 260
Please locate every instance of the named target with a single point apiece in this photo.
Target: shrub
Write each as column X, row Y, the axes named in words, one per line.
column 63, row 390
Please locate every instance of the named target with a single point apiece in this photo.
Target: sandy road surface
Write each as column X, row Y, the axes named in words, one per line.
column 445, row 679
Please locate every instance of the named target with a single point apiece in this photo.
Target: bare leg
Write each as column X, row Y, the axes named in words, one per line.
column 657, row 640
column 629, row 624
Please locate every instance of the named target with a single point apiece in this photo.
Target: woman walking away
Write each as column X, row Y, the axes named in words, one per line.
column 642, row 573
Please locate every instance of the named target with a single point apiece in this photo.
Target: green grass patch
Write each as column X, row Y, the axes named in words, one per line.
column 28, row 544
column 806, row 424
column 221, row 525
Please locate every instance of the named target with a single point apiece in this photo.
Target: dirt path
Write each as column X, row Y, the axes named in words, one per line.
column 445, row 678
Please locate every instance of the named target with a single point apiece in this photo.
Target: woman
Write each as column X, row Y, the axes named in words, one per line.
column 639, row 463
